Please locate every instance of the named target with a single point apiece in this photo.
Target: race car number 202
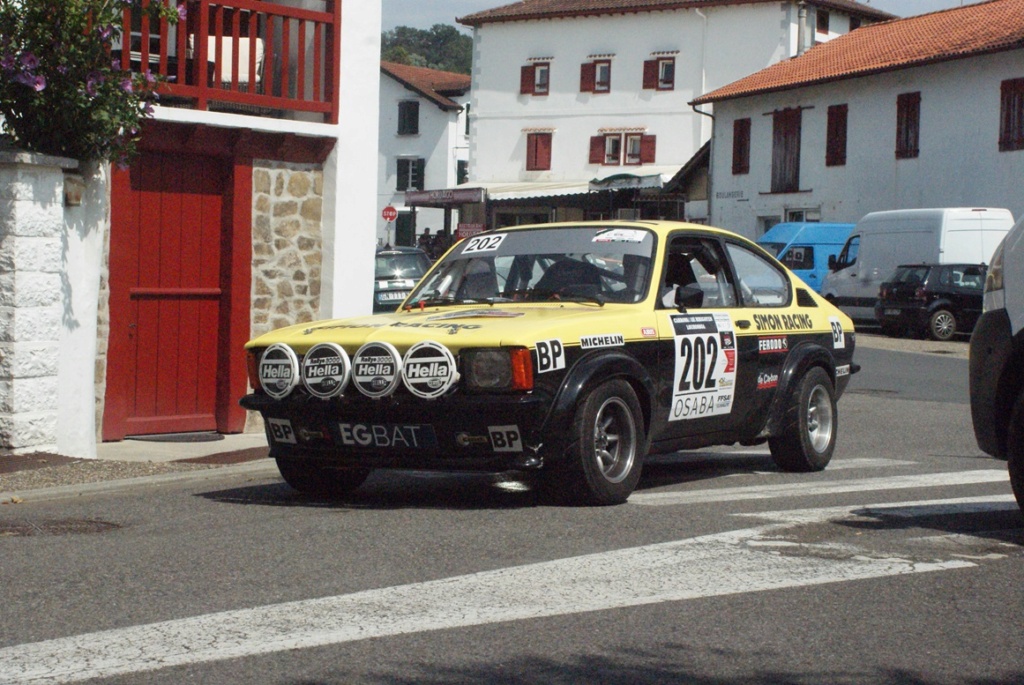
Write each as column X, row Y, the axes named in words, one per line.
column 705, row 366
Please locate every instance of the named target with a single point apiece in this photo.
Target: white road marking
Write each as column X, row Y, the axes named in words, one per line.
column 712, row 565
column 805, row 489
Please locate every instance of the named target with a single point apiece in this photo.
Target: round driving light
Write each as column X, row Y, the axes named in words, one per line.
column 279, row 371
column 428, row 369
column 377, row 369
column 326, row 370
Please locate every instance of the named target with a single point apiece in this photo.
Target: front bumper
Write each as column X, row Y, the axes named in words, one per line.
column 454, row 433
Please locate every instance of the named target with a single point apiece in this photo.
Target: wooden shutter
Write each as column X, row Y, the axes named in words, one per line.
column 835, row 144
column 786, row 151
column 588, row 77
column 741, row 146
column 1011, row 115
column 647, row 148
column 419, row 173
column 597, row 149
column 908, row 125
column 651, row 74
column 526, row 80
column 538, row 151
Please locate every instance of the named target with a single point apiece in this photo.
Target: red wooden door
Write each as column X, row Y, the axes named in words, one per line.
column 168, row 216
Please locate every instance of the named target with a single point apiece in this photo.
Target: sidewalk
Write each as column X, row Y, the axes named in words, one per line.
column 42, row 476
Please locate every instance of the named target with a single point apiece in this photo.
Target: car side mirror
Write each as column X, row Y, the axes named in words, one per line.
column 832, row 263
column 689, row 296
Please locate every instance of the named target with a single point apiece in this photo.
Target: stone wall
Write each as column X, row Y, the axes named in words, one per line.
column 287, row 244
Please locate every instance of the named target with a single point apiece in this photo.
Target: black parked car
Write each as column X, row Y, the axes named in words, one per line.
column 396, row 271
column 936, row 300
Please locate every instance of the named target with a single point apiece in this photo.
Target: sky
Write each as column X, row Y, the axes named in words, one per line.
column 422, row 14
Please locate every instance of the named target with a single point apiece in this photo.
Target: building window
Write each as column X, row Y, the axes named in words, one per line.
column 410, row 173
column 465, row 113
column 1011, row 115
column 786, row 151
column 596, row 76
column 660, row 74
column 640, row 149
column 461, row 171
column 741, row 146
column 821, row 19
column 408, row 118
column 534, row 79
column 855, row 23
column 612, row 150
column 538, row 151
column 908, row 125
column 835, row 145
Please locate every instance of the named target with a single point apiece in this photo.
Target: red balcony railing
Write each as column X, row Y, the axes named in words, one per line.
column 249, row 56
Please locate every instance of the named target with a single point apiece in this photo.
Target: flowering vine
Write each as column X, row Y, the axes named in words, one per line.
column 61, row 91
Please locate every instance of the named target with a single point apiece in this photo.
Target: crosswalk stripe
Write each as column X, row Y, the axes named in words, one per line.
column 733, row 562
column 806, row 489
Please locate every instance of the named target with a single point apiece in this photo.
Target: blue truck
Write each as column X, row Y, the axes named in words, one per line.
column 804, row 247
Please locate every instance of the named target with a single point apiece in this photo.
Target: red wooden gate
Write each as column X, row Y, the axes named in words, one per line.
column 170, row 222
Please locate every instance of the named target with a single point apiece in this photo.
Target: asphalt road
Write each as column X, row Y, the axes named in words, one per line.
column 901, row 563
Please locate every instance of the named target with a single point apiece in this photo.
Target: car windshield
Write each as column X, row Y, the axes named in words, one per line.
column 392, row 265
column 578, row 263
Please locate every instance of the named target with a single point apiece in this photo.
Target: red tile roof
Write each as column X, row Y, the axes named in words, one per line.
column 935, row 37
column 437, row 86
column 553, row 9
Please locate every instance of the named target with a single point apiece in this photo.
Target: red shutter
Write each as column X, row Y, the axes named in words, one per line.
column 741, row 146
column 597, row 149
column 526, row 80
column 588, row 77
column 651, row 74
column 647, row 146
column 543, row 155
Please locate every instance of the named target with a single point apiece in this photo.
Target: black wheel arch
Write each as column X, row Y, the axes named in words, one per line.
column 589, row 371
column 800, row 359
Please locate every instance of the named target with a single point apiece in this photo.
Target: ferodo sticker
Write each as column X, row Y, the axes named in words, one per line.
column 428, row 369
column 705, row 367
column 376, row 369
column 768, row 344
column 325, row 370
column 279, row 371
column 838, row 337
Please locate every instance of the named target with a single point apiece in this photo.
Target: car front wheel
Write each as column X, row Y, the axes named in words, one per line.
column 942, row 324
column 809, row 426
column 1015, row 450
column 311, row 478
column 604, row 459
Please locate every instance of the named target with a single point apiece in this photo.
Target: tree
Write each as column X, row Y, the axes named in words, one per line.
column 443, row 47
column 61, row 93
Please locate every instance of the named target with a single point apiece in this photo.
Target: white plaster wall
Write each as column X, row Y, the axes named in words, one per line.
column 440, row 141
column 716, row 46
column 959, row 163
column 82, row 260
column 350, row 176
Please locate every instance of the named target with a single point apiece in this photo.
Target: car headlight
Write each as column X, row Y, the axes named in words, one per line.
column 499, row 369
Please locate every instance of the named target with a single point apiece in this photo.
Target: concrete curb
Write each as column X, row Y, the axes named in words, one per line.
column 262, row 468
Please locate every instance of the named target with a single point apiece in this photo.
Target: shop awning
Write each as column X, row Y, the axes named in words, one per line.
column 471, row 193
column 645, row 177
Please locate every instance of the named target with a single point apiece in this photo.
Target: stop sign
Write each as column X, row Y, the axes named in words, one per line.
column 389, row 213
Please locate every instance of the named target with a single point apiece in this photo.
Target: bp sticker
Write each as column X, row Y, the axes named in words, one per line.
column 705, row 368
column 279, row 371
column 326, row 370
column 428, row 369
column 377, row 369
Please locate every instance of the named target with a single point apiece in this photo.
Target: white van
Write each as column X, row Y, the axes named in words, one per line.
column 881, row 241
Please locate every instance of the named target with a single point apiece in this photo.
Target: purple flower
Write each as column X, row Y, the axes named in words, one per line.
column 126, row 85
column 147, row 109
column 7, row 61
column 39, row 83
column 182, row 12
column 150, row 79
column 94, row 79
column 29, row 61
column 36, row 83
column 106, row 31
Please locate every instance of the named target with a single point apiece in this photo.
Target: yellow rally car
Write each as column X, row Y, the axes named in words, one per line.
column 572, row 350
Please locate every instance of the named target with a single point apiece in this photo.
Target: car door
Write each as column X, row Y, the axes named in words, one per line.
column 703, row 373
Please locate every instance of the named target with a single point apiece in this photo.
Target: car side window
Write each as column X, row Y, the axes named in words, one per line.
column 799, row 257
column 696, row 274
column 761, row 284
column 848, row 257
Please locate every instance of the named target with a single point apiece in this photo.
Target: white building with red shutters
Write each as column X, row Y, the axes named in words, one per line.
column 927, row 111
column 580, row 109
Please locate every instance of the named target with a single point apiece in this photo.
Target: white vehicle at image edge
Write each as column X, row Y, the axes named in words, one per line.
column 997, row 360
column 881, row 241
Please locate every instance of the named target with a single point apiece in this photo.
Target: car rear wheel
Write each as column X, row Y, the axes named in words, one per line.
column 809, row 426
column 311, row 478
column 1015, row 450
column 604, row 460
column 942, row 324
